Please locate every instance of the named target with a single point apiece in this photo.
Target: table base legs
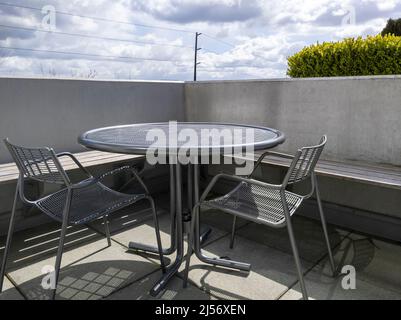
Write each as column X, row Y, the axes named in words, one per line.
column 162, row 283
column 172, row 270
column 177, row 233
column 136, row 246
column 204, row 234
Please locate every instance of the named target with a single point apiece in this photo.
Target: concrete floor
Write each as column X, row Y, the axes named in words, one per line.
column 91, row 270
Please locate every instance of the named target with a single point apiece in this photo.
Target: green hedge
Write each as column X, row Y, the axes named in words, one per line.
column 374, row 55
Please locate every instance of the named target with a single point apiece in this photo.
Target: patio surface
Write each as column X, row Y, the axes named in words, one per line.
column 91, row 270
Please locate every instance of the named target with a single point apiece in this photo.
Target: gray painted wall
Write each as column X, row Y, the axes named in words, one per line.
column 53, row 112
column 361, row 116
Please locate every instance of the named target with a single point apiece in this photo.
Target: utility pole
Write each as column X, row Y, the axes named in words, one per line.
column 196, row 54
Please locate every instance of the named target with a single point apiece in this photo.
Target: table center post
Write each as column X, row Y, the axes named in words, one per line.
column 133, row 139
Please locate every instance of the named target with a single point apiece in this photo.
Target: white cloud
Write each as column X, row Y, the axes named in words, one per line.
column 386, row 5
column 262, row 33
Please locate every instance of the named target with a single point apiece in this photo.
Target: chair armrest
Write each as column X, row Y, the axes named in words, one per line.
column 267, row 153
column 113, row 172
column 236, row 179
column 80, row 166
column 93, row 180
column 280, row 154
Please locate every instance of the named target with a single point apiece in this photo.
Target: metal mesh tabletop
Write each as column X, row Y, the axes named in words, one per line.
column 138, row 138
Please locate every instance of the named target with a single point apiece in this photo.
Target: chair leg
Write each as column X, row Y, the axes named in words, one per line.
column 297, row 260
column 158, row 238
column 107, row 230
column 9, row 238
column 294, row 248
column 64, row 226
column 324, row 225
column 191, row 244
column 234, row 226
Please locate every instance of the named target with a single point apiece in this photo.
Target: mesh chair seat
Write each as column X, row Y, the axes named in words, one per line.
column 87, row 204
column 260, row 203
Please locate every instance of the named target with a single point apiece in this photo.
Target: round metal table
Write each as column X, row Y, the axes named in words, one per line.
column 133, row 139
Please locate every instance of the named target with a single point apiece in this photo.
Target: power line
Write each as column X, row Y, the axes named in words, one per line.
column 231, row 45
column 94, row 37
column 239, row 66
column 126, row 23
column 236, row 66
column 90, row 55
column 108, row 38
column 97, row 18
column 219, row 40
column 229, row 69
column 210, row 51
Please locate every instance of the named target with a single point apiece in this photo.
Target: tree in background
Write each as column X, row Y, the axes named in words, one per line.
column 392, row 27
column 378, row 55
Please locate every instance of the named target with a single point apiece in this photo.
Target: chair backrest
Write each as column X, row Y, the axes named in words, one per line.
column 304, row 163
column 39, row 164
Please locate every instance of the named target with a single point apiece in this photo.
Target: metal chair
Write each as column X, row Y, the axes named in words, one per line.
column 268, row 204
column 76, row 203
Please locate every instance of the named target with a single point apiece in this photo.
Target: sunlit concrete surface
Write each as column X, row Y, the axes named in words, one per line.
column 91, row 270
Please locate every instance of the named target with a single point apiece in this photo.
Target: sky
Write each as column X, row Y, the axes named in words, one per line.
column 154, row 39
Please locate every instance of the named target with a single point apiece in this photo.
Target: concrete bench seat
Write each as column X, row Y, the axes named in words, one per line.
column 357, row 195
column 9, row 171
column 386, row 176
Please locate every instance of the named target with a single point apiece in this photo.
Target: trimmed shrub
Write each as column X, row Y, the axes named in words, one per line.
column 392, row 27
column 374, row 55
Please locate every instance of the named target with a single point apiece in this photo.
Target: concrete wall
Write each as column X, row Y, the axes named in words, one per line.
column 361, row 116
column 53, row 112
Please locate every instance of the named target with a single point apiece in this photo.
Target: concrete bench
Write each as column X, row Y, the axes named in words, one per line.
column 386, row 176
column 359, row 196
column 9, row 171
